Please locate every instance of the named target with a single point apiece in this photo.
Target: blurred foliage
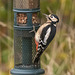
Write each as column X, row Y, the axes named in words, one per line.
column 59, row 58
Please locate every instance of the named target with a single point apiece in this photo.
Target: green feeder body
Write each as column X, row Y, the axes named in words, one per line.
column 26, row 14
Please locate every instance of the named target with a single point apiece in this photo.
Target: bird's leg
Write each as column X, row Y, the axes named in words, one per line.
column 33, row 30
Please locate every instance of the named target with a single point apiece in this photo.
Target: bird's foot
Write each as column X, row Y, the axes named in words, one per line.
column 33, row 30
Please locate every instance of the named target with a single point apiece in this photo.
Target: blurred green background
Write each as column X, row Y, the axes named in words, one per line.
column 59, row 58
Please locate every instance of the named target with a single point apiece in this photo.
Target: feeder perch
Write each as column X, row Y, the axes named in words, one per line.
column 26, row 14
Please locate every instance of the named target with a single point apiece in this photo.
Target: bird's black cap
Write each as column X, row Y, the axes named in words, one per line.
column 56, row 17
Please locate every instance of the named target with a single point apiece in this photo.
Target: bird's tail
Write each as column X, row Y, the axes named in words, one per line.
column 37, row 57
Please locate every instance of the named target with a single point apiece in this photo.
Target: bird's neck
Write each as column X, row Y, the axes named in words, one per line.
column 49, row 21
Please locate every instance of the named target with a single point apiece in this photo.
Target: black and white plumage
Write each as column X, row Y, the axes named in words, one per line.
column 45, row 35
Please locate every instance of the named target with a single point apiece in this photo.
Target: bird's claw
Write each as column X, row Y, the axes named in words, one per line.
column 33, row 30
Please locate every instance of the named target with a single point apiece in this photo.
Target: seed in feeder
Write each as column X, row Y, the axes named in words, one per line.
column 21, row 18
column 20, row 15
column 34, row 20
column 33, row 17
column 25, row 18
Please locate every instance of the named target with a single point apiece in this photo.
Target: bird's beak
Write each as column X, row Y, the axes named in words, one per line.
column 46, row 15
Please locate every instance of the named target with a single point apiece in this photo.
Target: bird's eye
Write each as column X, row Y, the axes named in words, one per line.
column 52, row 16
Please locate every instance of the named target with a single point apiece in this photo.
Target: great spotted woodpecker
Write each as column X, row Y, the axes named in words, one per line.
column 45, row 35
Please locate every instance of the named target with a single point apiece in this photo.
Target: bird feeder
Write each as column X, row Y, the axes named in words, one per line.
column 26, row 14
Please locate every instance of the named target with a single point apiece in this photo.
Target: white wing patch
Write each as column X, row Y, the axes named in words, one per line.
column 47, row 35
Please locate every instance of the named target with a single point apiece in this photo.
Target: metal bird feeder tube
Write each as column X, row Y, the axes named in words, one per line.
column 26, row 14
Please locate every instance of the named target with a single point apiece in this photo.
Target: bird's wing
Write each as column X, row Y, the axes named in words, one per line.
column 44, row 37
column 39, row 33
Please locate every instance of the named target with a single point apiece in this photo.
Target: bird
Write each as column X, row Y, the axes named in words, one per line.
column 45, row 35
